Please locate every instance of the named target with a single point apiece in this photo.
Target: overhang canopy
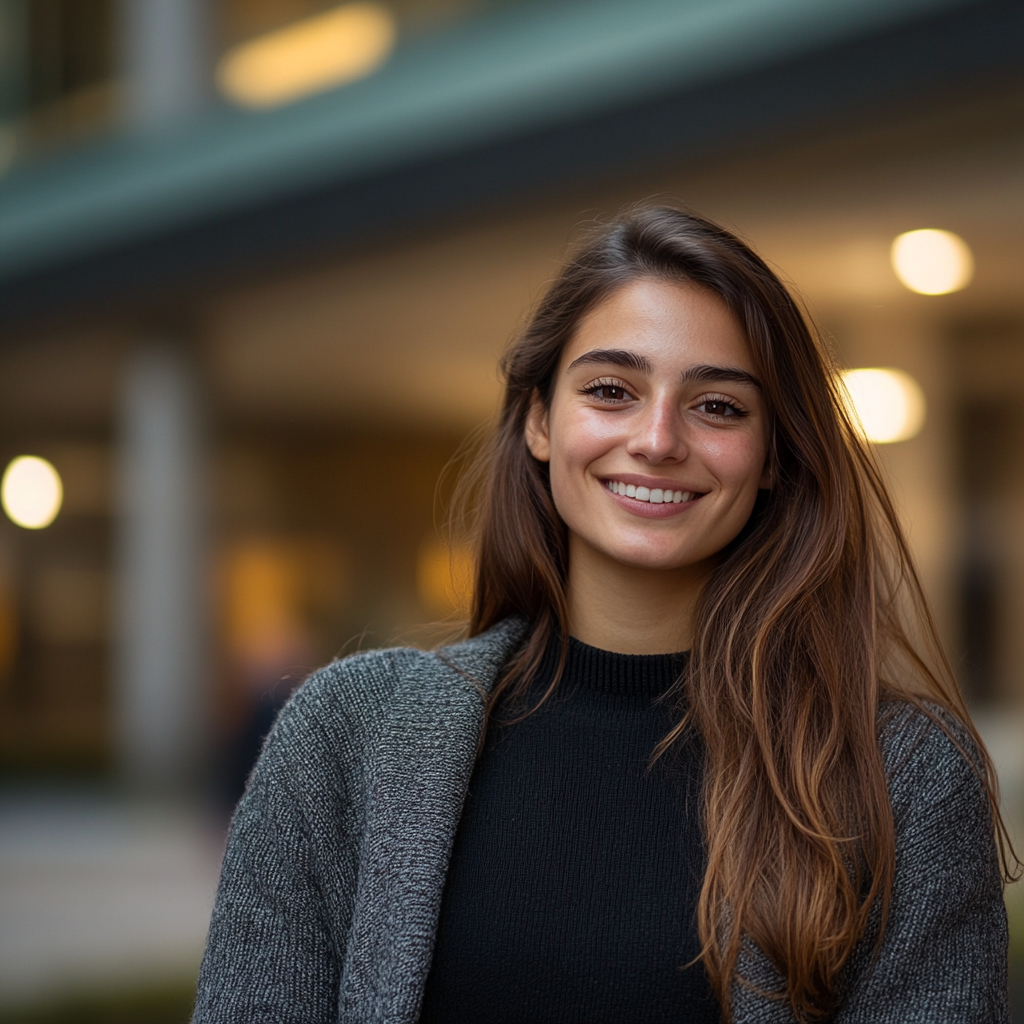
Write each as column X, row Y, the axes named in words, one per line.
column 522, row 98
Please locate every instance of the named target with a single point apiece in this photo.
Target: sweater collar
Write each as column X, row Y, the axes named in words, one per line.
column 477, row 662
column 647, row 675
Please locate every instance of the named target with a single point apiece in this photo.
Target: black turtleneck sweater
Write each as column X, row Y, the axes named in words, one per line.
column 572, row 889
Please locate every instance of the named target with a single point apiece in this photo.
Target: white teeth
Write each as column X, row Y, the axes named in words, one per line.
column 655, row 495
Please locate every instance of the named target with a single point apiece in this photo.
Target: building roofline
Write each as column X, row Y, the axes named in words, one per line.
column 232, row 192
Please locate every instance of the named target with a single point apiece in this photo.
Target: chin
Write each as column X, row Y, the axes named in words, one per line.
column 649, row 556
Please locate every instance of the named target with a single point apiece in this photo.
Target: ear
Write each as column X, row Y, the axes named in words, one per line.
column 538, row 439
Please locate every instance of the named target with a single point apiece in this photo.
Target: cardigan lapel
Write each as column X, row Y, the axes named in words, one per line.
column 417, row 781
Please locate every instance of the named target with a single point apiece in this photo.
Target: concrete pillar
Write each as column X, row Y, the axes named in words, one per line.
column 161, row 662
column 165, row 58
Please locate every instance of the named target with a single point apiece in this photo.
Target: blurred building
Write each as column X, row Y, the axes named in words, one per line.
column 258, row 259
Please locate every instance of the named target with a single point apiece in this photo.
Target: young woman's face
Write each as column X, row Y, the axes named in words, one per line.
column 656, row 433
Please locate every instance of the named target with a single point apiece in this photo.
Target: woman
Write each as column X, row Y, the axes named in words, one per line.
column 795, row 821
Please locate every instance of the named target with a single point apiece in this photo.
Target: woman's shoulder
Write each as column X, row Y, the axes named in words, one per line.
column 358, row 693
column 930, row 759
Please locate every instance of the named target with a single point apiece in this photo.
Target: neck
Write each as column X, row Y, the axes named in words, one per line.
column 630, row 609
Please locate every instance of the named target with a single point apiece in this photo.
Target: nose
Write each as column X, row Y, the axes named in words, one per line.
column 657, row 432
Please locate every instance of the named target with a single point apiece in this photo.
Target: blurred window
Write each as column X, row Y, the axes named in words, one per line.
column 60, row 64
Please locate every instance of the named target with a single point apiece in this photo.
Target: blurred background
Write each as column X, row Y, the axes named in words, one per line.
column 258, row 259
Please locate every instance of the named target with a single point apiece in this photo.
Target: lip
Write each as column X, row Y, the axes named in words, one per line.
column 646, row 509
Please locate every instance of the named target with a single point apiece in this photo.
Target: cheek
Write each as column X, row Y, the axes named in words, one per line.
column 736, row 460
column 577, row 442
column 579, row 439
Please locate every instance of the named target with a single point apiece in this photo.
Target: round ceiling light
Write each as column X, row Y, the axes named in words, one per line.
column 887, row 404
column 31, row 492
column 932, row 262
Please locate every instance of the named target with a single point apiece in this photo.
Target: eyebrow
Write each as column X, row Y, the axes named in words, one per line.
column 726, row 374
column 702, row 374
column 617, row 357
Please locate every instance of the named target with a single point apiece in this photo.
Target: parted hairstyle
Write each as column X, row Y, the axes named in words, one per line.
column 812, row 619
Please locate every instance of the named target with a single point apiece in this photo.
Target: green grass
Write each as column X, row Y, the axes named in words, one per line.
column 163, row 1004
column 1014, row 895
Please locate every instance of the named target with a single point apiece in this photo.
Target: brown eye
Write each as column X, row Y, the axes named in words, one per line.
column 607, row 392
column 718, row 408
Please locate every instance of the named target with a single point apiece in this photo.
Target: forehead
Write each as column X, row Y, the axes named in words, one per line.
column 672, row 324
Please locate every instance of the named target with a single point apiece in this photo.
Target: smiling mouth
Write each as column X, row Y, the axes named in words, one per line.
column 654, row 495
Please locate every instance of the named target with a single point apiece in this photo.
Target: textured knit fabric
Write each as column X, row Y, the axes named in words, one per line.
column 573, row 884
column 336, row 861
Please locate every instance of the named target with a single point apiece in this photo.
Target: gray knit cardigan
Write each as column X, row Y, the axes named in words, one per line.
column 336, row 861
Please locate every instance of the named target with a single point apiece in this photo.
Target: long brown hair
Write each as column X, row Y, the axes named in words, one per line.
column 813, row 617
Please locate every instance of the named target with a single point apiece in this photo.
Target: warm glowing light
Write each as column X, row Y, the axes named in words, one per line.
column 888, row 404
column 932, row 262
column 308, row 56
column 31, row 492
